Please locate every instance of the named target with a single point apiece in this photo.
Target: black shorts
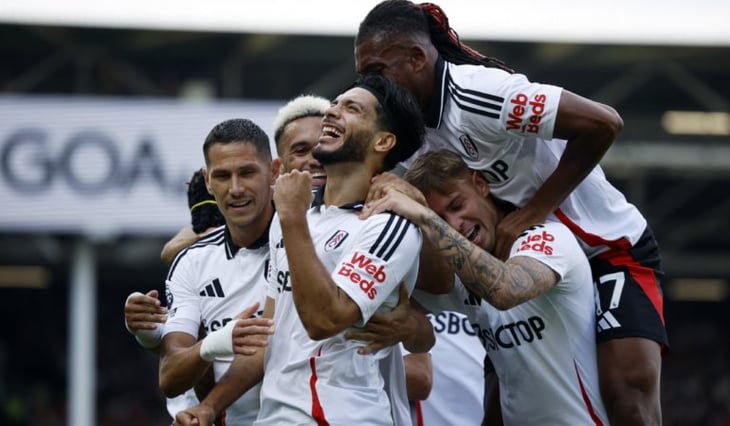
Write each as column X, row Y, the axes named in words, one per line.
column 630, row 301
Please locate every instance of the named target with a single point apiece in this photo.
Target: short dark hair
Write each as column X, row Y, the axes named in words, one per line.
column 391, row 18
column 238, row 130
column 398, row 113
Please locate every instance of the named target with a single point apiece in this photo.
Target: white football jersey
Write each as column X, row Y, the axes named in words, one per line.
column 502, row 124
column 327, row 380
column 456, row 397
column 208, row 284
column 543, row 350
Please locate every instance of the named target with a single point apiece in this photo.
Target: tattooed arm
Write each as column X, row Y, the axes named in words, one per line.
column 503, row 284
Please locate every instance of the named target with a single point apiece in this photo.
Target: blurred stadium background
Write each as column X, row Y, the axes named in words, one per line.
column 103, row 110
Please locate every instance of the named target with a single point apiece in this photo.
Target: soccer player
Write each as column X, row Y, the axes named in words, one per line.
column 331, row 271
column 455, row 399
column 297, row 128
column 210, row 282
column 532, row 312
column 538, row 146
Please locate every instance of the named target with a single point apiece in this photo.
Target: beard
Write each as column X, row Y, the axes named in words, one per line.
column 352, row 150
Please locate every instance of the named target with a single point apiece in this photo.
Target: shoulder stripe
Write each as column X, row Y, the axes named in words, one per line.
column 382, row 234
column 399, row 239
column 475, row 102
column 390, row 237
column 215, row 238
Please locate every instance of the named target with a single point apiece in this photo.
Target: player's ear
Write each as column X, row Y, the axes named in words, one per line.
column 417, row 57
column 276, row 169
column 480, row 183
column 385, row 142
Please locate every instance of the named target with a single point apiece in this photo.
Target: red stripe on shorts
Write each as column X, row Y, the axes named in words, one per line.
column 317, row 410
column 641, row 274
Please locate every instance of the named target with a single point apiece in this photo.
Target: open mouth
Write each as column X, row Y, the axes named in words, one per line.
column 472, row 234
column 330, row 131
column 240, row 204
column 318, row 179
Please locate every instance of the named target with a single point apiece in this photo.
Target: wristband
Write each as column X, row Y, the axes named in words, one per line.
column 149, row 339
column 218, row 343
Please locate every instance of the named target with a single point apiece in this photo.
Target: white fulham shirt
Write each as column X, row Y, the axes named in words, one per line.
column 543, row 350
column 457, row 393
column 502, row 124
column 307, row 381
column 208, row 284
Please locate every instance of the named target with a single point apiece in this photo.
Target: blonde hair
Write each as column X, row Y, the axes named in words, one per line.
column 299, row 107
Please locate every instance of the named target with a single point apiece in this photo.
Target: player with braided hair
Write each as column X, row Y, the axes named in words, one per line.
column 205, row 216
column 538, row 146
column 204, row 212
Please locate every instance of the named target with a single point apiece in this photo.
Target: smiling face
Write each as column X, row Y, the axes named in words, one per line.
column 296, row 144
column 464, row 204
column 348, row 128
column 241, row 180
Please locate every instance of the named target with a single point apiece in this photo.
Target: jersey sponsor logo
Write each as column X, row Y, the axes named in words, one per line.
column 497, row 172
column 508, row 336
column 469, row 147
column 537, row 242
column 451, row 323
column 335, row 240
column 213, row 289
column 214, row 324
column 526, row 115
column 282, row 278
column 361, row 270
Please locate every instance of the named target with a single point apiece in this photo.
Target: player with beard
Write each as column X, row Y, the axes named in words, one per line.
column 539, row 146
column 331, row 271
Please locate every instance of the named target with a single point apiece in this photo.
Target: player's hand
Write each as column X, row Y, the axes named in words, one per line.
column 242, row 335
column 397, row 201
column 144, row 311
column 293, row 194
column 199, row 415
column 384, row 181
column 387, row 328
column 249, row 333
column 511, row 226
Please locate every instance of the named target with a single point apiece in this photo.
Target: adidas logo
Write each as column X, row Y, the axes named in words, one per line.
column 606, row 322
column 473, row 300
column 213, row 289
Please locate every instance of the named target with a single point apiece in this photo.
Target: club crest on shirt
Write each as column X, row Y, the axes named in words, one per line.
column 335, row 240
column 469, row 147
